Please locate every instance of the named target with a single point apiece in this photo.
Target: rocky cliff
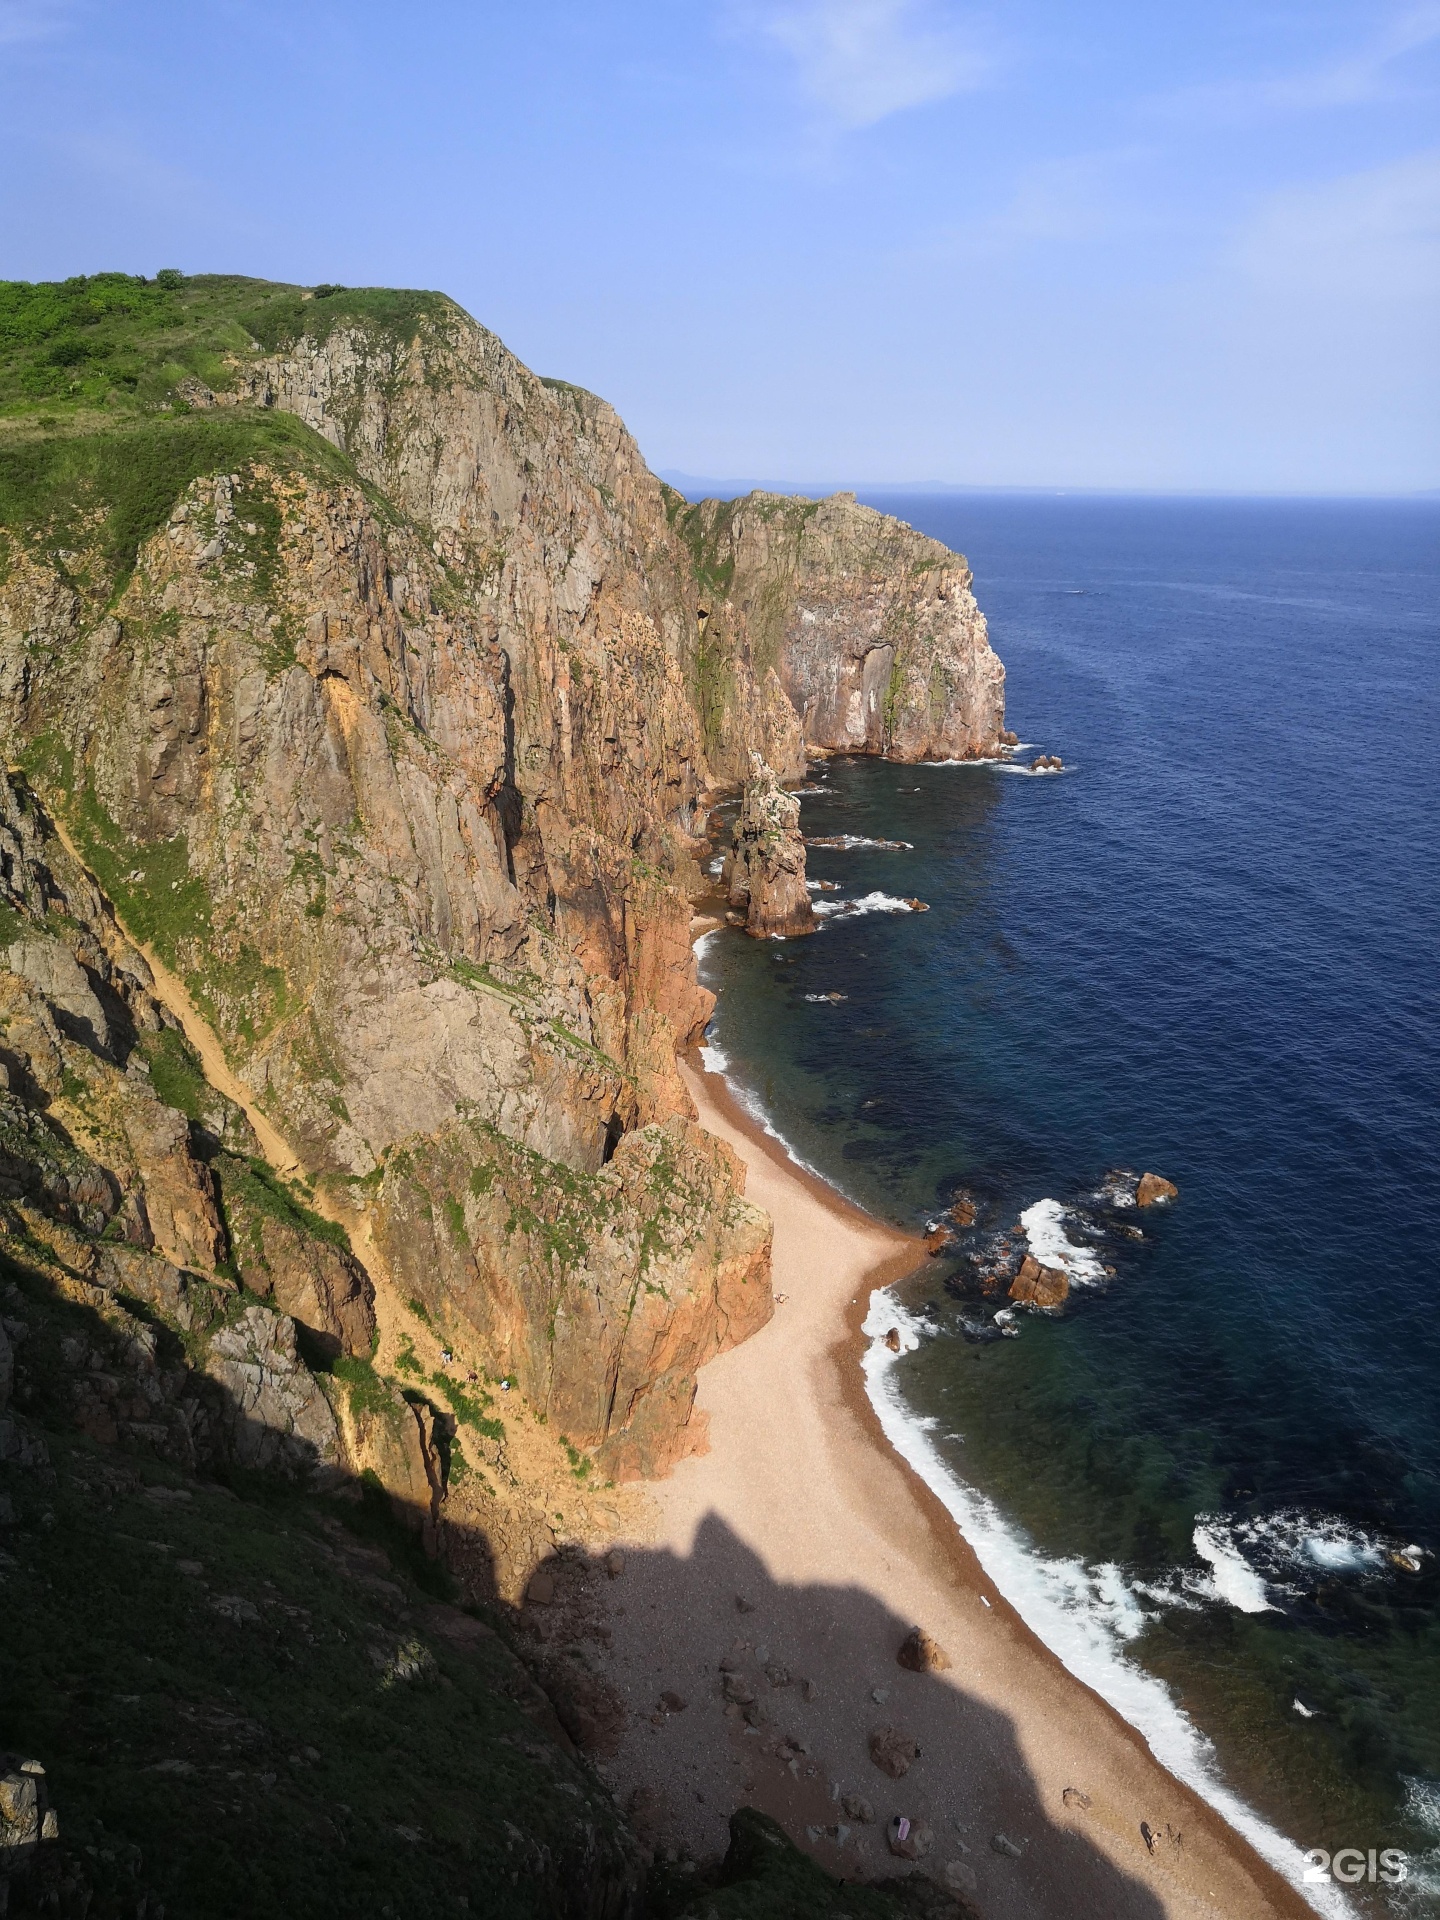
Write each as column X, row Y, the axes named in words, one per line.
column 764, row 871
column 869, row 628
column 384, row 691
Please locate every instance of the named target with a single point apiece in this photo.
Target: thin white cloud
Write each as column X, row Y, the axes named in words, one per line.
column 26, row 20
column 862, row 60
column 1370, row 74
column 1365, row 240
column 1079, row 198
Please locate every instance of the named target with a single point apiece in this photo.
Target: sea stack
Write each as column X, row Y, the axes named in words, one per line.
column 765, row 868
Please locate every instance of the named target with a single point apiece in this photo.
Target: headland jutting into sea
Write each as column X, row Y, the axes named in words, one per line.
column 366, row 704
column 1209, row 1482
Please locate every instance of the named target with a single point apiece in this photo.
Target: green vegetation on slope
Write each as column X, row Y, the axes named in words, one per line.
column 126, row 474
column 116, row 340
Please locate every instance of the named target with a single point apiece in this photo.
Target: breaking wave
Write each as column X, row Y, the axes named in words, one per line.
column 1044, row 1225
column 1085, row 1615
column 867, row 903
column 849, row 842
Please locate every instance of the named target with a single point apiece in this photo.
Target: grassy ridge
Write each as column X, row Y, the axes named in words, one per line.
column 132, row 471
column 118, row 340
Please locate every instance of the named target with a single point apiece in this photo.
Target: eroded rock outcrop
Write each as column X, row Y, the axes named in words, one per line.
column 393, row 735
column 870, row 629
column 764, row 874
column 599, row 1293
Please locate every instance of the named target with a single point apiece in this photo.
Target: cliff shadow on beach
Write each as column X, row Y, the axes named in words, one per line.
column 701, row 1685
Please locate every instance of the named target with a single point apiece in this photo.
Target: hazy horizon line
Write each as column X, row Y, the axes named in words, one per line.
column 711, row 487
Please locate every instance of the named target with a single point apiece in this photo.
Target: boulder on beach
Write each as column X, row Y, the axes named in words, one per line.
column 1037, row 1286
column 893, row 1752
column 1153, row 1189
column 910, row 1839
column 922, row 1654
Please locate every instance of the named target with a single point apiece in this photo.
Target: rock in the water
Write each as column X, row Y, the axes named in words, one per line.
column 765, row 868
column 1073, row 1797
column 959, row 1877
column 1153, row 1189
column 858, row 1808
column 1037, row 1286
column 893, row 1752
column 922, row 1654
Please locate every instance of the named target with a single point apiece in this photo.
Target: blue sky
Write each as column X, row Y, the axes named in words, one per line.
column 1057, row 242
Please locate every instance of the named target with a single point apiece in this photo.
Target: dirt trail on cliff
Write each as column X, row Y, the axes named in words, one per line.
column 801, row 1549
column 201, row 1035
column 278, row 1152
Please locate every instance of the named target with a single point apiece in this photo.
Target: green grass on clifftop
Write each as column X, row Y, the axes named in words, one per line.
column 130, row 472
column 115, row 340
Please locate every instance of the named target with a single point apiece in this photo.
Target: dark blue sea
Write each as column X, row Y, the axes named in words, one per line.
column 1209, row 948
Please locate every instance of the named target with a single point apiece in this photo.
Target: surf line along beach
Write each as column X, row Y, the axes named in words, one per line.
column 756, row 1633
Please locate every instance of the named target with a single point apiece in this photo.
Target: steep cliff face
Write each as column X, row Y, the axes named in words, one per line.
column 384, row 689
column 126, row 1206
column 870, row 629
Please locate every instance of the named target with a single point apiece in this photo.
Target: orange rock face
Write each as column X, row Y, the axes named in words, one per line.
column 1154, row 1190
column 1037, row 1286
column 765, row 868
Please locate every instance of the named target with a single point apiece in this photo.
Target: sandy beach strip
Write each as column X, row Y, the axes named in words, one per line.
column 801, row 1550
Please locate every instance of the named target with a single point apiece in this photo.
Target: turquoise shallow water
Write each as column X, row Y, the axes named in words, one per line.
column 1209, row 947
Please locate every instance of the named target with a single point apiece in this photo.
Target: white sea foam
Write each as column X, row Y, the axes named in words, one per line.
column 866, row 903
column 1044, row 1225
column 849, row 842
column 1288, row 1550
column 1085, row 1615
column 714, row 1059
column 1232, row 1575
column 1417, row 1893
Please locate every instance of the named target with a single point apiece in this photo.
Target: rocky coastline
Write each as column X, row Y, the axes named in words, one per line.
column 365, row 701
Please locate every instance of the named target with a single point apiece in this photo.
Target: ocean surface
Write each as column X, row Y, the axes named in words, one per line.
column 1210, row 947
